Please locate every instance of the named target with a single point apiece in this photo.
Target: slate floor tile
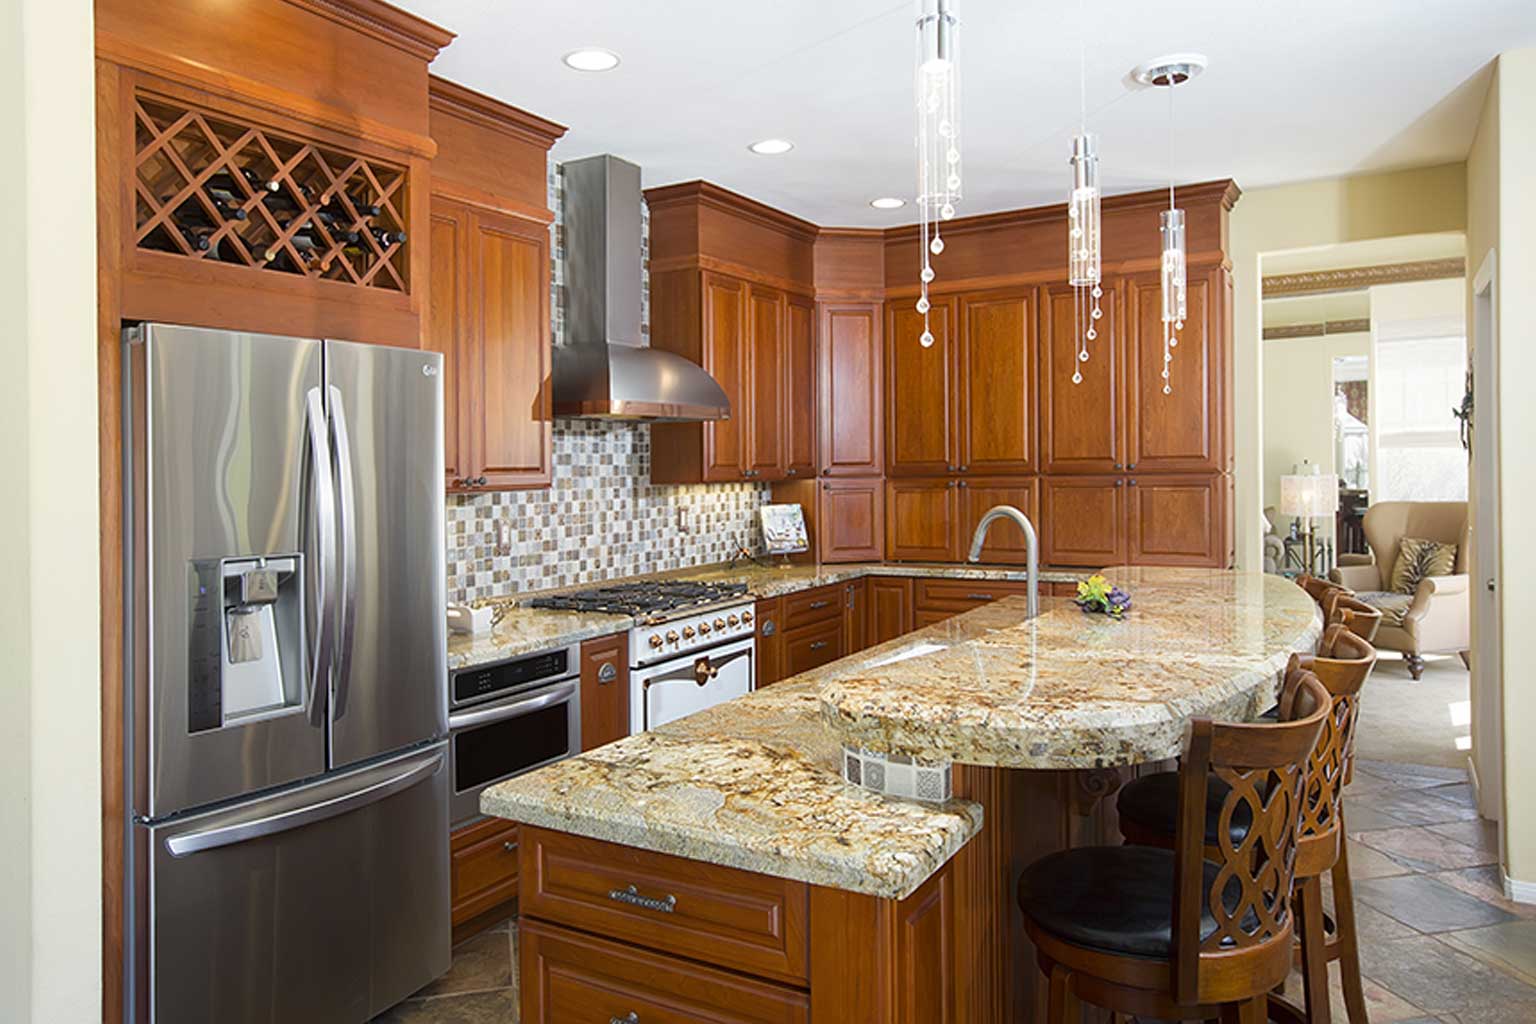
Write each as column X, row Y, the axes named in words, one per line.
column 1486, row 884
column 1365, row 816
column 480, row 963
column 498, row 1007
column 1483, row 835
column 1438, row 979
column 1511, row 945
column 1382, row 1005
column 1427, row 904
column 1423, row 850
column 1411, row 774
column 1419, row 807
column 1366, row 862
column 1509, row 1013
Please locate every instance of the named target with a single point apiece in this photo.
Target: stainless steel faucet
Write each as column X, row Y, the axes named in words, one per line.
column 1032, row 546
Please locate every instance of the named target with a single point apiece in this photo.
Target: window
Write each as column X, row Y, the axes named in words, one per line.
column 1419, row 380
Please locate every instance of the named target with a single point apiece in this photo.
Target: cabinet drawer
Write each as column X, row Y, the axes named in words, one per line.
column 719, row 915
column 483, row 867
column 963, row 595
column 569, row 977
column 812, row 646
column 810, row 606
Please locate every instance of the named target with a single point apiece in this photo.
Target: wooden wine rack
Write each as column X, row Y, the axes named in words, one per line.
column 179, row 148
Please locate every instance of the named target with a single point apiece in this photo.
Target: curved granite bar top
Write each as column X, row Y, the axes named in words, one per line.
column 755, row 783
column 521, row 630
column 1071, row 690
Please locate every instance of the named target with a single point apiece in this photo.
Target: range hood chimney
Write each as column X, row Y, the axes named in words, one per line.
column 604, row 371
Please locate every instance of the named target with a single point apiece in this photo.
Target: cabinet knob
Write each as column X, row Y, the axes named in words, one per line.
column 791, row 472
column 964, row 468
column 1119, row 482
column 949, row 468
column 826, row 472
column 1133, row 481
column 964, row 483
column 1130, row 465
column 1117, row 465
column 509, row 846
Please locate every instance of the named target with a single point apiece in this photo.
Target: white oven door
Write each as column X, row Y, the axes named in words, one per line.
column 670, row 690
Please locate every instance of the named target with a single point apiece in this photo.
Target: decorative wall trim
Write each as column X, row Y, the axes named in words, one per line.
column 707, row 193
column 388, row 24
column 1354, row 279
column 1520, row 892
column 1317, row 330
column 453, row 98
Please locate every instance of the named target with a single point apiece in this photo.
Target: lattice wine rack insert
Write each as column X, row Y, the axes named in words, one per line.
column 209, row 187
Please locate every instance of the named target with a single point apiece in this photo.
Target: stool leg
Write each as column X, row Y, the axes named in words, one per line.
column 1314, row 957
column 1062, row 1007
column 1249, row 1011
column 1348, row 943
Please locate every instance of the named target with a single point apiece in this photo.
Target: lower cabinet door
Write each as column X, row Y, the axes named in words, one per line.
column 769, row 668
column 812, row 646
column 482, row 862
column 1005, row 540
column 569, row 977
column 604, row 690
column 890, row 608
column 851, row 521
column 1179, row 520
column 1082, row 521
column 920, row 520
column 855, row 616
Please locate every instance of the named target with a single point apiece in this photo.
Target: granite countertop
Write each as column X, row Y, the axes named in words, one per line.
column 755, row 783
column 1069, row 690
column 521, row 630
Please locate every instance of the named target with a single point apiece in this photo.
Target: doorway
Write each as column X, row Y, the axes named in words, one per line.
column 1487, row 619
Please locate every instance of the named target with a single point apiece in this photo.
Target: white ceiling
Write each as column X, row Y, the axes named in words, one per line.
column 1296, row 90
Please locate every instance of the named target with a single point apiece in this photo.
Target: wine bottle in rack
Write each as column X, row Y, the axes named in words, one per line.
column 335, row 224
column 226, row 203
column 198, row 238
column 387, row 238
column 365, row 209
column 225, row 180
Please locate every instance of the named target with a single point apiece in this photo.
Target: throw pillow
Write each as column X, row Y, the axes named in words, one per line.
column 1418, row 558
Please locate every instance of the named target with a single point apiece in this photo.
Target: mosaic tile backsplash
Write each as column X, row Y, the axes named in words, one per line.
column 602, row 518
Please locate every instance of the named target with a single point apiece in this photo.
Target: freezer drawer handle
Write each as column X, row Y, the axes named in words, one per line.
column 631, row 895
column 228, row 835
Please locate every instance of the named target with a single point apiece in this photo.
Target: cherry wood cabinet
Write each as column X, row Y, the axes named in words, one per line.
column 1186, row 430
column 890, row 608
column 850, row 520
column 1082, row 521
column 768, row 664
column 604, row 690
column 995, row 383
column 764, row 410
column 799, row 403
column 814, row 645
column 919, row 388
column 934, row 600
column 920, row 519
column 482, row 871
column 855, row 615
column 852, row 391
column 1005, row 540
column 1179, row 519
column 448, row 303
column 1082, row 425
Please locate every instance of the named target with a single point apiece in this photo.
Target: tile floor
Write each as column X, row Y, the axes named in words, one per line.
column 1439, row 943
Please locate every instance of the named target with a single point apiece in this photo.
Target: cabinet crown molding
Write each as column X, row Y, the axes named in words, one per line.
column 706, row 193
column 384, row 22
column 459, row 101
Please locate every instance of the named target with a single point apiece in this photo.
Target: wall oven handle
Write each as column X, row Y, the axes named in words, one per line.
column 469, row 719
column 228, row 835
column 347, row 501
column 323, row 599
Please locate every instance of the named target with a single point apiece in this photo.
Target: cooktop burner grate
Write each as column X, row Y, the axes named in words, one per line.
column 642, row 598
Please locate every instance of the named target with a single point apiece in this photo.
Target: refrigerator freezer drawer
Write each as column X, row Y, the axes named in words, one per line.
column 327, row 902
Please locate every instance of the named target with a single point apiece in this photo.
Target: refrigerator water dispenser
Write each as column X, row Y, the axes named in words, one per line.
column 247, row 641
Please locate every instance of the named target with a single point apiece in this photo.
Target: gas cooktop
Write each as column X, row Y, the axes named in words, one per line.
column 643, row 599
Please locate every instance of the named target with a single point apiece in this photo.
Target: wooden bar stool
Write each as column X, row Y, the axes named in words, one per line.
column 1177, row 933
column 1356, row 616
column 1148, row 817
column 1322, row 591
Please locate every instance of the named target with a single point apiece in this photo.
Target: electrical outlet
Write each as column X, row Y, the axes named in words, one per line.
column 684, row 524
column 503, row 536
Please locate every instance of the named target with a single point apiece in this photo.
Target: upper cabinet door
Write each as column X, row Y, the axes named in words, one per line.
column 725, row 333
column 852, row 431
column 766, row 373
column 1179, row 520
column 798, row 402
column 1081, row 424
column 995, row 397
column 1082, row 521
column 510, row 301
column 920, row 520
column 1182, row 430
column 919, row 435
column 448, row 244
column 1005, row 539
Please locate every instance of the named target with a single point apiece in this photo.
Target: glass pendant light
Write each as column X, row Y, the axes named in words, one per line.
column 1167, row 72
column 1085, row 265
column 938, row 136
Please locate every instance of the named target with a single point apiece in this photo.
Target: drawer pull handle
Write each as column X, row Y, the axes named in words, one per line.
column 819, row 604
column 629, row 1018
column 818, row 645
column 631, row 895
column 509, row 846
column 979, row 597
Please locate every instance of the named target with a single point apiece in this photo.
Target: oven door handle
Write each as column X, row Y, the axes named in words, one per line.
column 526, row 706
column 689, row 674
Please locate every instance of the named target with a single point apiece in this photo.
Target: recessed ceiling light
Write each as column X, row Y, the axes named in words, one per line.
column 1173, row 69
column 887, row 203
column 591, row 58
column 771, row 147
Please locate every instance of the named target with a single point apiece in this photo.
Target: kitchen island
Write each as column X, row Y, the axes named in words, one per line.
column 660, row 868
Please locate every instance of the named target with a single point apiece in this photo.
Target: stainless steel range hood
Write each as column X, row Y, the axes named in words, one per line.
column 604, row 371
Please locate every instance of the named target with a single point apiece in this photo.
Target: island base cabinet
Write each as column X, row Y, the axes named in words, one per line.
column 569, row 977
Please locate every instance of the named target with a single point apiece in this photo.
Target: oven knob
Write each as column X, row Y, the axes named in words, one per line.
column 746, row 617
column 687, row 632
column 671, row 636
column 719, row 623
column 733, row 620
column 704, row 629
column 655, row 639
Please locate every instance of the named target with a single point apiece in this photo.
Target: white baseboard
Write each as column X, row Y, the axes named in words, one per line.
column 1520, row 892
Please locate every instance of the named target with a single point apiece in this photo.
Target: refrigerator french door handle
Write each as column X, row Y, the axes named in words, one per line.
column 347, row 499
column 285, row 821
column 325, row 568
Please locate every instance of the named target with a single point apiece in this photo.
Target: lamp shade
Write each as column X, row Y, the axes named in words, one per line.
column 1314, row 494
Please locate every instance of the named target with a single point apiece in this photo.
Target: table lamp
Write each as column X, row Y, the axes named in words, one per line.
column 1306, row 496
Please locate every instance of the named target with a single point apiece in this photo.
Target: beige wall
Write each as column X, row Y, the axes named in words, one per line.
column 50, row 799
column 1502, row 216
column 1317, row 213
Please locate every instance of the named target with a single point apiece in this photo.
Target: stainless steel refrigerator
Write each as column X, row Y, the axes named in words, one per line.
column 286, row 679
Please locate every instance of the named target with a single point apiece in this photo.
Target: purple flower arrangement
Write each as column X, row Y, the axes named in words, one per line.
column 1095, row 594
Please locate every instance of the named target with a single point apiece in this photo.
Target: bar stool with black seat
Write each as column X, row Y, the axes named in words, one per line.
column 1148, row 816
column 1356, row 616
column 1186, row 933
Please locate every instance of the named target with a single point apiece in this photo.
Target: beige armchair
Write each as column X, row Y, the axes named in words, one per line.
column 1437, row 619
